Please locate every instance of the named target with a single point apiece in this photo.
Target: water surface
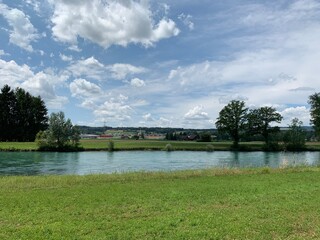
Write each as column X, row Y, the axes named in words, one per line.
column 80, row 163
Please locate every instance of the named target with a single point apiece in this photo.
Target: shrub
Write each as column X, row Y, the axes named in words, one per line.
column 210, row 148
column 168, row 147
column 110, row 146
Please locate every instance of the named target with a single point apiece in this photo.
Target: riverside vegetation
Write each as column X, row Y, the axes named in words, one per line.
column 204, row 204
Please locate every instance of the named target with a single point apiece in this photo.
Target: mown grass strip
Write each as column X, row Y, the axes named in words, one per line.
column 204, row 204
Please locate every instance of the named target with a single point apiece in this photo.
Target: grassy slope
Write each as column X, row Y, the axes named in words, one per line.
column 210, row 204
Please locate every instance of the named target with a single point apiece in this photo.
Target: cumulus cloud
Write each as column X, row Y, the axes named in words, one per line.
column 197, row 114
column 89, row 67
column 83, row 88
column 114, row 109
column 93, row 69
column 41, row 83
column 136, row 82
column 300, row 112
column 108, row 22
column 23, row 33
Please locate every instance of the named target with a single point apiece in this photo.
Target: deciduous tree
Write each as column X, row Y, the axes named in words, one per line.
column 60, row 135
column 232, row 120
column 259, row 122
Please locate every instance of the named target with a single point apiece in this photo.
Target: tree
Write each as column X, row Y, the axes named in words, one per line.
column 205, row 137
column 60, row 135
column 295, row 138
column 314, row 101
column 21, row 115
column 232, row 120
column 259, row 122
column 7, row 113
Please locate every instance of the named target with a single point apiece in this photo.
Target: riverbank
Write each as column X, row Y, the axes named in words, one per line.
column 127, row 145
column 204, row 204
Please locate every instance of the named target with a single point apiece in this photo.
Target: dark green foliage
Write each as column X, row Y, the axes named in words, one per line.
column 110, row 146
column 22, row 115
column 314, row 101
column 295, row 138
column 61, row 135
column 259, row 122
column 232, row 120
column 205, row 137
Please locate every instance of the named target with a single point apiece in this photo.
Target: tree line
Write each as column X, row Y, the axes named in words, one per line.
column 22, row 115
column 238, row 121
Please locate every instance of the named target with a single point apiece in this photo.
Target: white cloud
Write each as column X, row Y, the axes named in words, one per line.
column 75, row 48
column 89, row 67
column 120, row 71
column 186, row 20
column 2, row 53
column 197, row 114
column 136, row 82
column 148, row 117
column 83, row 88
column 66, row 58
column 108, row 22
column 23, row 33
column 35, row 4
column 42, row 83
column 301, row 112
column 164, row 122
column 93, row 69
column 114, row 109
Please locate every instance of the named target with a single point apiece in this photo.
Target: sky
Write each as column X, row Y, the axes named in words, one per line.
column 162, row 63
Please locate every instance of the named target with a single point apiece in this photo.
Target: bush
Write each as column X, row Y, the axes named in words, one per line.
column 210, row 148
column 110, row 146
column 168, row 147
column 295, row 138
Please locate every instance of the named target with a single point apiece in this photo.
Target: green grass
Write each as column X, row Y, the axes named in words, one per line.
column 12, row 146
column 208, row 204
column 151, row 145
column 98, row 144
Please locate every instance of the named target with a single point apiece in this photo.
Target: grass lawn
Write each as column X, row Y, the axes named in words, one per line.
column 208, row 204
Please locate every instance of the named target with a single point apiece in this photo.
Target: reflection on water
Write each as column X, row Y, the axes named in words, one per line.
column 43, row 163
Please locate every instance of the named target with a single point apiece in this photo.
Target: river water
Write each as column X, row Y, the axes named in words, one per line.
column 81, row 163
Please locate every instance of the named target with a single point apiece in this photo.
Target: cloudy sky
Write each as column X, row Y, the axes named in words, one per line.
column 166, row 63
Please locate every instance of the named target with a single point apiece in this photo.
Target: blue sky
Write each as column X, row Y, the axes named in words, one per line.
column 162, row 63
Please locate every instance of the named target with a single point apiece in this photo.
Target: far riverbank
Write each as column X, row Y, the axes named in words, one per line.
column 152, row 145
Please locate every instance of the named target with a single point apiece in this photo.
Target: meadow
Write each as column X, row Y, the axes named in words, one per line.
column 207, row 204
column 102, row 144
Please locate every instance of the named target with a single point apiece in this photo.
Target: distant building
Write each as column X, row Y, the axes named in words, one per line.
column 88, row 136
column 105, row 136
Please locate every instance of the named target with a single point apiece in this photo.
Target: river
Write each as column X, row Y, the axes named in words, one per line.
column 81, row 163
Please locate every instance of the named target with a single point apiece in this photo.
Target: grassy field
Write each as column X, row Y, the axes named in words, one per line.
column 208, row 204
column 97, row 144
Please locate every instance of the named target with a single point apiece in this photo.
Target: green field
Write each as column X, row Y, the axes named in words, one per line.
column 148, row 145
column 208, row 204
